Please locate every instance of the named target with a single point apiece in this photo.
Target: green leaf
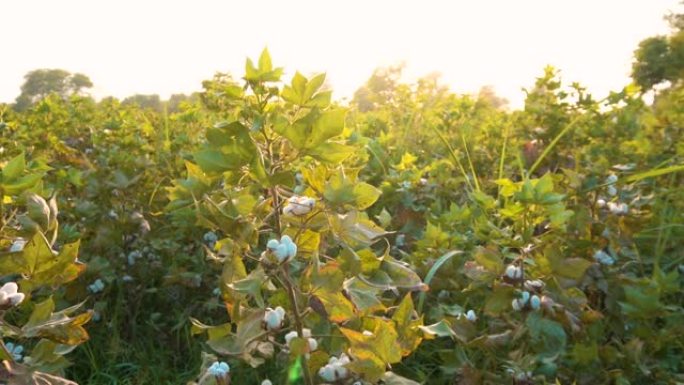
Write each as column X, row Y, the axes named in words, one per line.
column 439, row 329
column 572, row 268
column 407, row 327
column 331, row 152
column 328, row 125
column 13, row 169
column 490, row 258
column 432, row 272
column 265, row 64
column 364, row 296
column 655, row 172
column 312, row 86
column 499, row 300
column 546, row 336
column 365, row 195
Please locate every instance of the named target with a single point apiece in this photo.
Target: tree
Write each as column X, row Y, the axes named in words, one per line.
column 42, row 82
column 660, row 58
column 144, row 101
column 487, row 95
column 378, row 89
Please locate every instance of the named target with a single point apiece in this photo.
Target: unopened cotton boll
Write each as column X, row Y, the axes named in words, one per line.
column 612, row 191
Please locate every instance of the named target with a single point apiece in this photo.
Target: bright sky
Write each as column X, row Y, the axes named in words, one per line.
column 166, row 47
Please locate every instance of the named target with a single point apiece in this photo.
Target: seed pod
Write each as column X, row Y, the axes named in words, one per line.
column 54, row 211
column 38, row 210
column 535, row 285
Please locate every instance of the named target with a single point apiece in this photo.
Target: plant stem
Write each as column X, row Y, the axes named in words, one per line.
column 297, row 319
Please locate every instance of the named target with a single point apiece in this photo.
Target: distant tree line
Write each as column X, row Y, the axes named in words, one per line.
column 42, row 82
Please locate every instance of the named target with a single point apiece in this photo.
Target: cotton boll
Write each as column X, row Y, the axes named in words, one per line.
column 17, row 245
column 281, row 252
column 618, row 208
column 471, row 316
column 535, row 302
column 9, row 288
column 313, row 344
column 272, row 244
column 612, row 178
column 534, row 285
column 219, row 369
column 274, row 318
column 16, row 299
column 525, row 296
column 9, row 295
column 517, row 306
column 266, row 382
column 513, row 272
column 327, row 373
column 289, row 336
column 299, row 205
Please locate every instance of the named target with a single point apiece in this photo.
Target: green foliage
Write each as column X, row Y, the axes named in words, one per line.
column 413, row 236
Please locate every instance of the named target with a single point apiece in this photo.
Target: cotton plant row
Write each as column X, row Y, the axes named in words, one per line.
column 32, row 267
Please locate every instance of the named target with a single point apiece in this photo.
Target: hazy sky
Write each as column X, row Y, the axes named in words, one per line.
column 168, row 47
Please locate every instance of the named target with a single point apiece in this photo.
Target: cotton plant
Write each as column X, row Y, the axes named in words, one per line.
column 280, row 182
column 40, row 264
